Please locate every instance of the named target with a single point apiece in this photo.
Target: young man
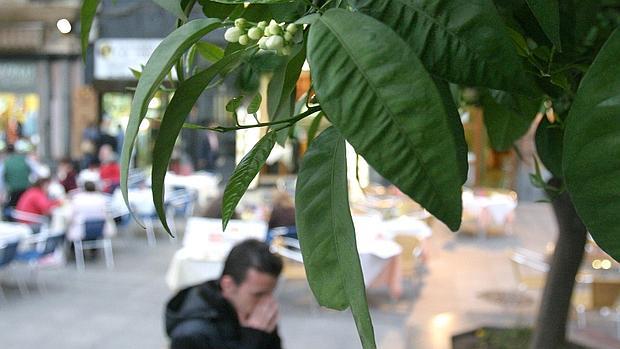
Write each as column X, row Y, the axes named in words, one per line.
column 237, row 311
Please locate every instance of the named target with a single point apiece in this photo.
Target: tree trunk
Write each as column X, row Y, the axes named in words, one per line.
column 550, row 330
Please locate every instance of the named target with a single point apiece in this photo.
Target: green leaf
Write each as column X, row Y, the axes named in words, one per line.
column 547, row 13
column 591, row 157
column 172, row 6
column 378, row 95
column 288, row 12
column 314, row 128
column 255, row 104
column 234, row 104
column 461, row 41
column 173, row 121
column 456, row 127
column 253, row 1
column 136, row 73
column 308, row 19
column 156, row 69
column 243, row 175
column 326, row 233
column 87, row 15
column 283, row 83
column 214, row 9
column 209, row 51
column 507, row 117
column 549, row 146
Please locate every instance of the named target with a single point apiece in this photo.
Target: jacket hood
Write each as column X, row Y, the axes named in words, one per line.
column 190, row 303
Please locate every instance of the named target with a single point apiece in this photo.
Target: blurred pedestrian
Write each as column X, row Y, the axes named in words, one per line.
column 16, row 174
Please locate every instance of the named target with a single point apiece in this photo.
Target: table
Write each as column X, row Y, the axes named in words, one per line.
column 380, row 255
column 10, row 232
column 488, row 211
column 205, row 247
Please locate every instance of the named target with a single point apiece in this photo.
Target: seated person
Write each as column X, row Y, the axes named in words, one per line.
column 109, row 169
column 67, row 176
column 282, row 215
column 237, row 311
column 89, row 205
column 214, row 209
column 35, row 200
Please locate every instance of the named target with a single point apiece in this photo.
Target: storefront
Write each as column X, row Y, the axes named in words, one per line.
column 19, row 102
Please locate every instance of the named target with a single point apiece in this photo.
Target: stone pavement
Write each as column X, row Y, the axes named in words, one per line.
column 466, row 284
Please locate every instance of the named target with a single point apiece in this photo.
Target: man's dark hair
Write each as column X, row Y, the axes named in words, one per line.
column 250, row 254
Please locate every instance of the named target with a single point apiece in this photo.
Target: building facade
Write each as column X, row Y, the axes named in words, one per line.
column 40, row 70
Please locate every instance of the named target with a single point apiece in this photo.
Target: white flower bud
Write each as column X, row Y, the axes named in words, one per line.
column 262, row 24
column 262, row 43
column 255, row 33
column 292, row 28
column 275, row 29
column 233, row 34
column 274, row 42
column 288, row 36
column 240, row 23
column 244, row 40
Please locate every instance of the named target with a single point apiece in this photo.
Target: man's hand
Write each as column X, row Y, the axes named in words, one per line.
column 264, row 317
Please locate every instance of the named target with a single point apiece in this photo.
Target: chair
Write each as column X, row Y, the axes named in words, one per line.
column 8, row 251
column 35, row 221
column 288, row 232
column 411, row 253
column 530, row 270
column 40, row 246
column 289, row 249
column 179, row 203
column 93, row 239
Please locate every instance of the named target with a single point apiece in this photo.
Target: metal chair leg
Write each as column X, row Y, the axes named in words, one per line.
column 109, row 256
column 150, row 233
column 79, row 255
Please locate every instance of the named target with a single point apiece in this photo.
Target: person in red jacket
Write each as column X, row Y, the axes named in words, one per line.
column 109, row 170
column 35, row 199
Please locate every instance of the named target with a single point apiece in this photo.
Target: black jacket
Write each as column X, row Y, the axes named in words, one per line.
column 199, row 318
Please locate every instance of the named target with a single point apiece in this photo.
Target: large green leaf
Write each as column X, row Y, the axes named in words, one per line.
column 326, row 232
column 456, row 127
column 244, row 173
column 87, row 15
column 281, row 90
column 549, row 146
column 172, row 122
column 461, row 41
column 507, row 117
column 154, row 72
column 172, row 6
column 591, row 160
column 378, row 95
column 547, row 13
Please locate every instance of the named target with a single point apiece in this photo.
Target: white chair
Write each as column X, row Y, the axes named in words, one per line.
column 93, row 239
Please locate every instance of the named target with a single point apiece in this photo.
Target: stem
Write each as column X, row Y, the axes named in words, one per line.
column 288, row 122
column 550, row 329
column 179, row 66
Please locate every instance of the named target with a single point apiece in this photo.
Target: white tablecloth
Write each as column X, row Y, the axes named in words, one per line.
column 205, row 247
column 202, row 183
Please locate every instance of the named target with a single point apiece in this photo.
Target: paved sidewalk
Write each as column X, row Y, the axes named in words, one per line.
column 465, row 286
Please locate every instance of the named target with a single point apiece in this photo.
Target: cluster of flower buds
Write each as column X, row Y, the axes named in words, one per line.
column 270, row 37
